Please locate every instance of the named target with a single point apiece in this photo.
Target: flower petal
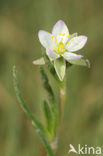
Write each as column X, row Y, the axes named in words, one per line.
column 59, row 27
column 60, row 67
column 71, row 56
column 76, row 43
column 51, row 53
column 72, row 36
column 46, row 39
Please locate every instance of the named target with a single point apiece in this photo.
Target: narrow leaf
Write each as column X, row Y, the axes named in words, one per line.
column 52, row 100
column 39, row 61
column 60, row 67
column 45, row 141
column 37, row 123
column 81, row 62
column 47, row 85
column 48, row 115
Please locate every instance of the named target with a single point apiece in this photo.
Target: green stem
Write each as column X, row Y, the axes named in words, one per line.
column 62, row 86
column 62, row 98
column 62, row 101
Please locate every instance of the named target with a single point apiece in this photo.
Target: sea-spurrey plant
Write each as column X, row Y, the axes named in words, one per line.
column 58, row 54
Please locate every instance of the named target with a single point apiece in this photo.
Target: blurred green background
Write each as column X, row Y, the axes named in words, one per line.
column 20, row 22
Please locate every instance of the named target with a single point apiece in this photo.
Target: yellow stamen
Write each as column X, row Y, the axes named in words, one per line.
column 56, row 41
column 62, row 34
column 52, row 36
column 67, row 43
column 68, row 35
column 54, row 48
column 60, row 49
column 61, row 39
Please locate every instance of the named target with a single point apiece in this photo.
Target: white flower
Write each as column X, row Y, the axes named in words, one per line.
column 60, row 46
column 61, row 43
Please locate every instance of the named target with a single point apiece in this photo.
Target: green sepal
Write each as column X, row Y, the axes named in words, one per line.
column 80, row 62
column 50, row 67
column 49, row 64
column 60, row 67
column 39, row 61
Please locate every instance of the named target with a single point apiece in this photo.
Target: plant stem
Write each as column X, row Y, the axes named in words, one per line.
column 62, row 86
column 62, row 99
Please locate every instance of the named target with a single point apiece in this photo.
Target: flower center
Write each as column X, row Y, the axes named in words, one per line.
column 59, row 49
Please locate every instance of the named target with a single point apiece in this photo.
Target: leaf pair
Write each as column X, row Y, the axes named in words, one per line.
column 51, row 110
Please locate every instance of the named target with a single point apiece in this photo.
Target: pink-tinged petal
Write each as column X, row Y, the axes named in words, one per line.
column 46, row 39
column 71, row 56
column 76, row 43
column 60, row 27
column 51, row 53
